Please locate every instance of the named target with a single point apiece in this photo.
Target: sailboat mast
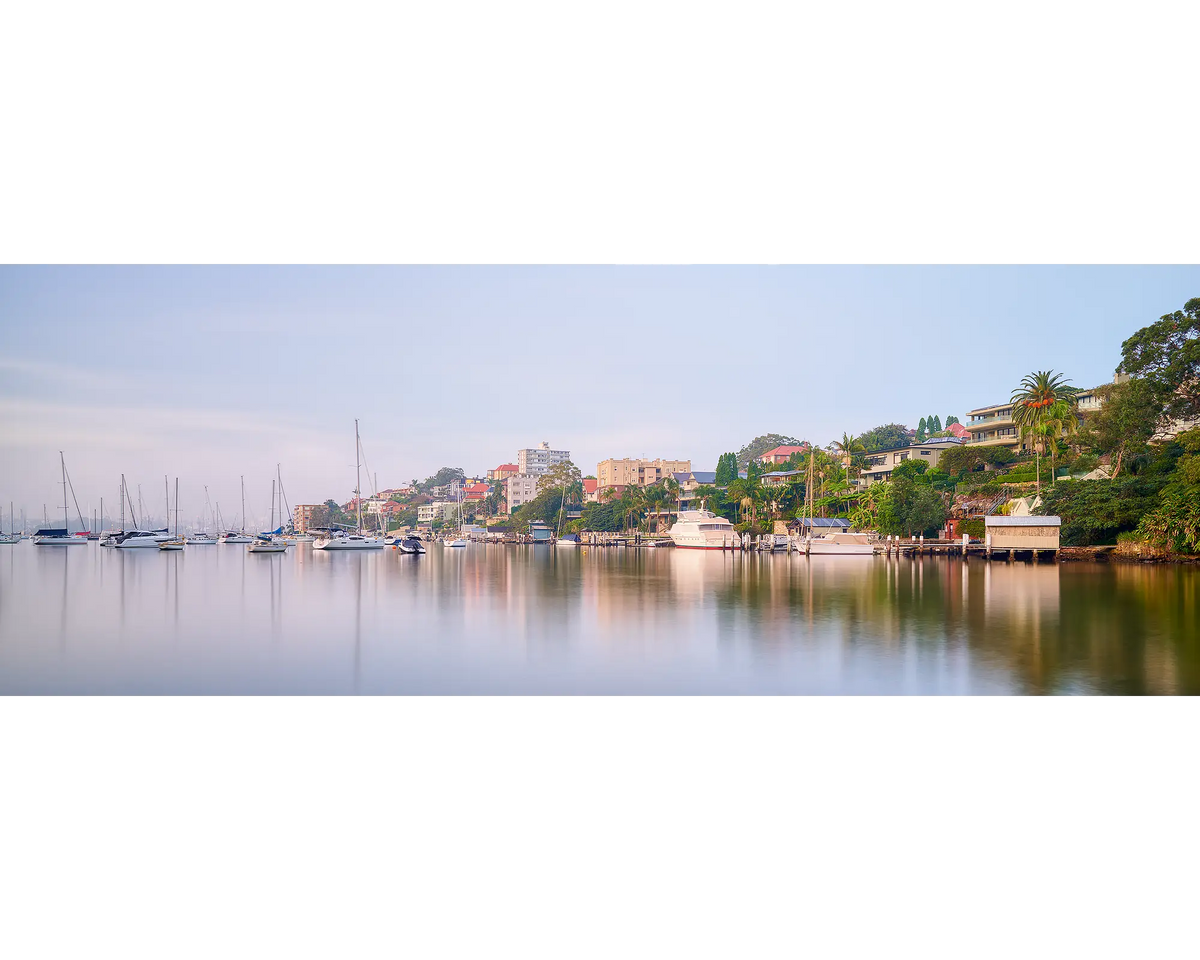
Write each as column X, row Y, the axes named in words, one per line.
column 167, row 491
column 243, row 504
column 176, row 508
column 122, row 498
column 357, row 479
column 66, row 512
column 272, row 503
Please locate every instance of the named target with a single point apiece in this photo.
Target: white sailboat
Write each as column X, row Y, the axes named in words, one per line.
column 176, row 543
column 460, row 540
column 267, row 542
column 358, row 540
column 55, row 536
column 230, row 536
column 844, row 542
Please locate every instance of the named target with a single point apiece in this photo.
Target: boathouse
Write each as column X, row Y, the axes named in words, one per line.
column 1018, row 534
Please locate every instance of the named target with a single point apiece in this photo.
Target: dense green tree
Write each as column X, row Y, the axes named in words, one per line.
column 1095, row 511
column 1124, row 423
column 601, row 517
column 727, row 469
column 760, row 445
column 444, row 476
column 885, row 437
column 951, row 419
column 1166, row 355
column 921, row 429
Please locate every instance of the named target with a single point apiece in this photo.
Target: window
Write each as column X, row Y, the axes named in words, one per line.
column 926, row 453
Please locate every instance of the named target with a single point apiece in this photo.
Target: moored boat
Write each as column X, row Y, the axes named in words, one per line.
column 704, row 530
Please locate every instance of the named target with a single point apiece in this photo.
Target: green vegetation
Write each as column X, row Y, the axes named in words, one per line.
column 760, row 445
column 1166, row 357
column 885, row 437
column 727, row 469
column 444, row 476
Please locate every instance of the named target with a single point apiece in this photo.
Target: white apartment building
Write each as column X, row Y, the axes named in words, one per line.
column 534, row 461
column 519, row 489
column 438, row 510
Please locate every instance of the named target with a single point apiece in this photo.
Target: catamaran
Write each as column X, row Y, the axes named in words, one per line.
column 359, row 540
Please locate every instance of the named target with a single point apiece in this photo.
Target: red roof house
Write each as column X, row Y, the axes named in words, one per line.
column 782, row 454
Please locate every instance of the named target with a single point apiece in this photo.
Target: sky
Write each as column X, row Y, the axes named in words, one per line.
column 209, row 374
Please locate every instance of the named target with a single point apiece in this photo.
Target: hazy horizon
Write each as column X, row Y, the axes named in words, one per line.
column 211, row 373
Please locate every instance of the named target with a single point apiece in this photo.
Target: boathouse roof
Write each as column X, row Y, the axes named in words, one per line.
column 1022, row 521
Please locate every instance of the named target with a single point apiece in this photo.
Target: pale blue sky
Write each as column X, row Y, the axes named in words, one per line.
column 209, row 373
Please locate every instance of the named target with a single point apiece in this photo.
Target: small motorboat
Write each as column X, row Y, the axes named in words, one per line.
column 410, row 545
column 263, row 545
column 171, row 545
column 568, row 540
column 454, row 542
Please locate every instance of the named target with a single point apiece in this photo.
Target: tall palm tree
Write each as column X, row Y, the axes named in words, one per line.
column 847, row 447
column 1060, row 420
column 1032, row 403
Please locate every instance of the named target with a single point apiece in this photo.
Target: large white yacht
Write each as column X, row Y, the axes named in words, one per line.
column 141, row 538
column 704, row 530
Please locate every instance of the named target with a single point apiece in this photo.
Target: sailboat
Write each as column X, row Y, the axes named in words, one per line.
column 59, row 537
column 203, row 537
column 358, row 540
column 266, row 542
column 231, row 537
column 460, row 540
column 12, row 527
column 135, row 538
column 177, row 542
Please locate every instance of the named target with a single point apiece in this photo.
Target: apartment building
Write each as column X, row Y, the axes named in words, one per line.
column 534, row 461
column 640, row 473
column 994, row 427
column 302, row 516
column 438, row 510
column 519, row 489
column 881, row 463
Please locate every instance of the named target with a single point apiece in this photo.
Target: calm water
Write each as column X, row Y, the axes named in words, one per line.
column 493, row 619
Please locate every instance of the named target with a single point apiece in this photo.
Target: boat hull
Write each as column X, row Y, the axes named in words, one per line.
column 349, row 543
column 58, row 541
column 267, row 548
column 818, row 548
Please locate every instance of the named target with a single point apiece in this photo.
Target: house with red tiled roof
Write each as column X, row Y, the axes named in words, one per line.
column 782, row 454
column 958, row 430
column 476, row 491
column 589, row 490
column 503, row 472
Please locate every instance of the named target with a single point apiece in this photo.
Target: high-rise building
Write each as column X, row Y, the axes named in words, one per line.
column 534, row 461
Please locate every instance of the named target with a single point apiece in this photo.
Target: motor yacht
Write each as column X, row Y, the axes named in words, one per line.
column 235, row 538
column 568, row 540
column 200, row 539
column 351, row 541
column 149, row 539
column 410, row 545
column 704, row 530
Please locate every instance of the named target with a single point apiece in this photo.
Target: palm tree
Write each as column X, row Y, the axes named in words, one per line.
column 847, row 447
column 1032, row 403
column 672, row 486
column 1060, row 420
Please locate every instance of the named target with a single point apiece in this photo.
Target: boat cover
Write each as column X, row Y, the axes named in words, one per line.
column 52, row 532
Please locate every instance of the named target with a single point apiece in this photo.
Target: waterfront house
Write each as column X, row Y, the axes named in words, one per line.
column 780, row 477
column 780, row 455
column 881, row 463
column 688, row 482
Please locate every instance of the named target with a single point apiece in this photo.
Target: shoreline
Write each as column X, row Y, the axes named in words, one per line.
column 1124, row 553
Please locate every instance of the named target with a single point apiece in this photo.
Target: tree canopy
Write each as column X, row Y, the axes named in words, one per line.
column 444, row 476
column 760, row 445
column 727, row 469
column 1167, row 355
column 885, row 437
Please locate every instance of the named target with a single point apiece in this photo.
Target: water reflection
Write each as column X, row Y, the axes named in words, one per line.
column 540, row 620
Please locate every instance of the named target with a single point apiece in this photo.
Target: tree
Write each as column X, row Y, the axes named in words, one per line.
column 1124, row 423
column 562, row 476
column 951, row 419
column 937, row 423
column 760, row 445
column 848, row 446
column 921, row 428
column 1031, row 402
column 885, row 437
column 1167, row 355
column 444, row 476
column 727, row 469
